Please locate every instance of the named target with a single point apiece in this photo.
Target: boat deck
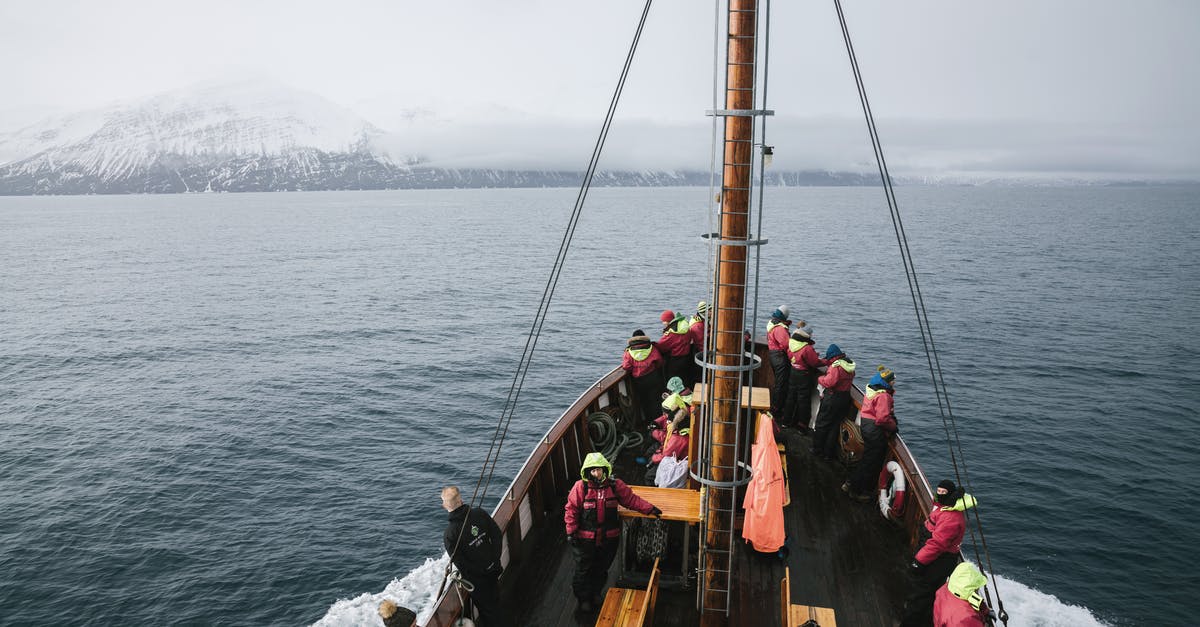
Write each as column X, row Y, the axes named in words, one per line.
column 860, row 574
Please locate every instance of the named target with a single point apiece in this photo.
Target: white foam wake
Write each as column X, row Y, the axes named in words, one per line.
column 1028, row 607
column 414, row 591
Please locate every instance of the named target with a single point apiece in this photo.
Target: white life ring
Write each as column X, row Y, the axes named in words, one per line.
column 891, row 491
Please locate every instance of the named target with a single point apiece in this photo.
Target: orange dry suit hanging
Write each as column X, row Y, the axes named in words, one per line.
column 763, row 527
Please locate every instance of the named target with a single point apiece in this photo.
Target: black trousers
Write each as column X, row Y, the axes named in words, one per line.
column 678, row 367
column 833, row 409
column 875, row 445
column 647, row 395
column 918, row 607
column 591, row 567
column 486, row 598
column 798, row 409
column 782, row 368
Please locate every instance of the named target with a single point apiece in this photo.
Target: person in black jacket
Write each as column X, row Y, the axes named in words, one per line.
column 474, row 543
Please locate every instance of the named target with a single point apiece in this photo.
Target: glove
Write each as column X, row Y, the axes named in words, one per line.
column 572, row 541
column 916, row 568
column 657, row 513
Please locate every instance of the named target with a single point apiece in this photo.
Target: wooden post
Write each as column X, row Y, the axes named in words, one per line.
column 730, row 289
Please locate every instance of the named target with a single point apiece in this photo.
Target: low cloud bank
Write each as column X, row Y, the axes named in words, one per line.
column 913, row 148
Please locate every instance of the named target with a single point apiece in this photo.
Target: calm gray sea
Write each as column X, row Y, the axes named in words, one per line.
column 237, row 409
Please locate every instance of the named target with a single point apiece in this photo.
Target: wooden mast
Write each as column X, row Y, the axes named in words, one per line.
column 730, row 293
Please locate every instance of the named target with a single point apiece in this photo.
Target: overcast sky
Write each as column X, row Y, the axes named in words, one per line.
column 1118, row 75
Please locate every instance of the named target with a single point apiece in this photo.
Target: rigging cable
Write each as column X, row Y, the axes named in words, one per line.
column 488, row 469
column 762, row 166
column 935, row 368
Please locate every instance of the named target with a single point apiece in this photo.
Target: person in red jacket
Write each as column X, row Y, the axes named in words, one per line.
column 878, row 425
column 941, row 540
column 797, row 411
column 777, row 345
column 958, row 603
column 594, row 527
column 835, row 403
column 696, row 329
column 644, row 363
column 676, row 346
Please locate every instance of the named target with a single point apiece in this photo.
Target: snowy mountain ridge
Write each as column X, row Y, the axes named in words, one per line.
column 209, row 124
column 257, row 135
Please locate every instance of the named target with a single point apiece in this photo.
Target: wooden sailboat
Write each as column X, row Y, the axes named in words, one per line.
column 844, row 562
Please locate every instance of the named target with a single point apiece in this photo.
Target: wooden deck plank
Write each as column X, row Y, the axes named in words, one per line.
column 843, row 554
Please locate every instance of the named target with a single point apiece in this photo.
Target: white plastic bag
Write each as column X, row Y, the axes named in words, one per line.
column 672, row 473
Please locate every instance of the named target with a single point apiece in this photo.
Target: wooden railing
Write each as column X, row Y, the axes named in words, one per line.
column 548, row 474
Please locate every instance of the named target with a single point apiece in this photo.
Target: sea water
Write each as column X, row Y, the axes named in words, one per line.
column 238, row 409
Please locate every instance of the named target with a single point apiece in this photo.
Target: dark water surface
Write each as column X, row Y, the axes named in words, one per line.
column 237, row 409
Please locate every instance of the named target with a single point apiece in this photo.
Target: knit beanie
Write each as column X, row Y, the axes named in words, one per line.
column 883, row 377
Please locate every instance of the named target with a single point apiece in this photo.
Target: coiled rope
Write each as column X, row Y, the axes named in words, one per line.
column 953, row 443
column 608, row 438
column 488, row 468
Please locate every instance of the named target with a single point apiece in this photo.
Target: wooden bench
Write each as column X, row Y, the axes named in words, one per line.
column 795, row 615
column 752, row 398
column 624, row 607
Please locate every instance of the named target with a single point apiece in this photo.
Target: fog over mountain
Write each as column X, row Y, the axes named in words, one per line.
column 259, row 135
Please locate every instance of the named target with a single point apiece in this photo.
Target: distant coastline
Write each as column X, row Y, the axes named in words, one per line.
column 341, row 172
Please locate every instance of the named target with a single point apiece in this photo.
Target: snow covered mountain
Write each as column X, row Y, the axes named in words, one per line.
column 256, row 135
column 247, row 135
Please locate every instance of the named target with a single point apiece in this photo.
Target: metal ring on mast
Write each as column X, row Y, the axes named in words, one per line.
column 739, row 112
column 755, row 362
column 715, row 238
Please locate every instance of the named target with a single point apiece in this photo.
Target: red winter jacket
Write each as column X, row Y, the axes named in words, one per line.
column 806, row 358
column 836, row 378
column 946, row 525
column 878, row 405
column 777, row 336
column 696, row 334
column 591, row 512
column 951, row 611
column 641, row 368
column 675, row 344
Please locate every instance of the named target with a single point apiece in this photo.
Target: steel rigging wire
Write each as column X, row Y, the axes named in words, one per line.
column 931, row 355
column 488, row 469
